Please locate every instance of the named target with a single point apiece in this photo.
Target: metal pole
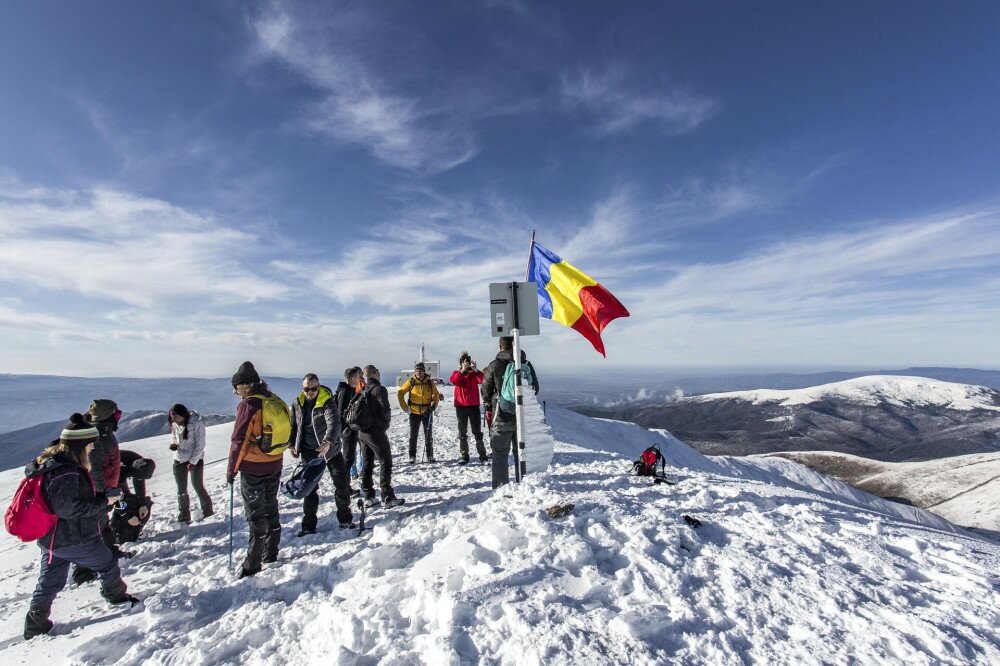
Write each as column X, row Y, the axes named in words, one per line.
column 520, row 465
column 231, row 526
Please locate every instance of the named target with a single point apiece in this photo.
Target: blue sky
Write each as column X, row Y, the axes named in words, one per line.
column 185, row 185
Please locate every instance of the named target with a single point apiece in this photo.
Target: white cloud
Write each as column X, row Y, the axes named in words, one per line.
column 621, row 107
column 130, row 249
column 403, row 130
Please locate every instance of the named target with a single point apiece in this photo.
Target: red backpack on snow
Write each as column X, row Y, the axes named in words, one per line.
column 28, row 516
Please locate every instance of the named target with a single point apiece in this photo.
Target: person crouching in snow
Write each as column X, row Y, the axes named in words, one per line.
column 188, row 446
column 260, row 473
column 75, row 538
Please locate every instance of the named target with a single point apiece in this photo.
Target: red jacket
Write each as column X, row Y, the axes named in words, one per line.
column 467, row 387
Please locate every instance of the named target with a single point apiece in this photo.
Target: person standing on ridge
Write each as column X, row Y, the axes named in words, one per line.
column 422, row 397
column 260, row 471
column 316, row 432
column 346, row 390
column 503, row 432
column 106, row 463
column 188, row 446
column 376, row 442
column 466, row 381
column 70, row 494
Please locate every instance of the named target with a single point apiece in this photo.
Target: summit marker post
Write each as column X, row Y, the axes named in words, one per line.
column 514, row 312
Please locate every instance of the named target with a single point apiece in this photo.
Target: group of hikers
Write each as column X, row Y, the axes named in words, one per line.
column 82, row 477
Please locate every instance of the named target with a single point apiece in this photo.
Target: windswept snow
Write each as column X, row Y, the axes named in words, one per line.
column 895, row 390
column 789, row 567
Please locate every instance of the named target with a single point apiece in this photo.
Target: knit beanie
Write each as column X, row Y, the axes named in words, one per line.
column 420, row 366
column 247, row 374
column 102, row 409
column 78, row 434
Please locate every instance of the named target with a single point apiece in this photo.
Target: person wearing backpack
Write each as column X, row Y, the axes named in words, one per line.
column 419, row 397
column 500, row 409
column 259, row 463
column 346, row 390
column 315, row 432
column 69, row 492
column 105, row 461
column 188, row 444
column 372, row 425
column 466, row 381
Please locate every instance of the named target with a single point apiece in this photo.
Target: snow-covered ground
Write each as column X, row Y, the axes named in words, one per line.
column 789, row 567
column 871, row 390
column 962, row 489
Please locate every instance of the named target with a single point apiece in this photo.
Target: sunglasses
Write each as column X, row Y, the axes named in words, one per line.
column 310, row 389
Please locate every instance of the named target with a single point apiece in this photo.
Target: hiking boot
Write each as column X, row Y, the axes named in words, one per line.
column 207, row 514
column 355, row 492
column 37, row 622
column 430, row 459
column 304, row 532
column 348, row 526
column 244, row 572
column 370, row 502
column 82, row 575
column 390, row 502
column 464, row 460
column 484, row 461
column 412, row 460
column 184, row 520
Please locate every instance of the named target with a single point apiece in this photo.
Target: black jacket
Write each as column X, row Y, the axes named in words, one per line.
column 345, row 393
column 69, row 492
column 105, row 459
column 382, row 410
column 325, row 419
column 493, row 381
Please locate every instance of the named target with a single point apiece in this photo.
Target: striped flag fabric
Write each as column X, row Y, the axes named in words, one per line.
column 571, row 297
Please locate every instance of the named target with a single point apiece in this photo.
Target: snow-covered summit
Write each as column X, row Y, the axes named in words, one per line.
column 874, row 389
column 788, row 567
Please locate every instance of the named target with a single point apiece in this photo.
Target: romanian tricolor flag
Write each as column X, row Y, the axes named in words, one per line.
column 571, row 297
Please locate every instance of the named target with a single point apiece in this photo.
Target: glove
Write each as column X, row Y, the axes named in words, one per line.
column 174, row 447
column 230, row 478
column 190, row 466
column 489, row 419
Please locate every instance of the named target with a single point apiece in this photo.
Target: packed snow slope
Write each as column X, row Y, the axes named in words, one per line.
column 963, row 489
column 789, row 567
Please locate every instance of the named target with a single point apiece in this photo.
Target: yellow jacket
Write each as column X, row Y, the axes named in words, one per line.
column 423, row 395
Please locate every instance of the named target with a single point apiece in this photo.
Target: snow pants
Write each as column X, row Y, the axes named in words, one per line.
column 197, row 474
column 93, row 555
column 341, row 492
column 260, row 504
column 469, row 416
column 377, row 447
column 416, row 420
column 501, row 440
column 349, row 446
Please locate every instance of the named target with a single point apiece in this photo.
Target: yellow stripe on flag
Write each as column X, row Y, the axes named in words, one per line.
column 565, row 283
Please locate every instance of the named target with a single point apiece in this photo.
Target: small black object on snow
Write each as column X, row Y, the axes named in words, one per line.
column 693, row 522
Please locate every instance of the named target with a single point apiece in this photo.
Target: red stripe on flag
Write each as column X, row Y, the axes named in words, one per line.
column 587, row 330
column 600, row 306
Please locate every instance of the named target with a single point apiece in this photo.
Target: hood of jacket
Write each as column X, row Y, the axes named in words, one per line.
column 55, row 462
column 321, row 397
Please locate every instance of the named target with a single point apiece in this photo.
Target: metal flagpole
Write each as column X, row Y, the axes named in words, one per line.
column 520, row 466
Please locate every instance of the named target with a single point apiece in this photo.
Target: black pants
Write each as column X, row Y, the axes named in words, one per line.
column 341, row 492
column 377, row 447
column 140, row 485
column 197, row 474
column 92, row 555
column 415, row 422
column 260, row 505
column 469, row 416
column 349, row 446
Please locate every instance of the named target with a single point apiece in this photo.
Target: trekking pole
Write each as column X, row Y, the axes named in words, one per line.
column 231, row 526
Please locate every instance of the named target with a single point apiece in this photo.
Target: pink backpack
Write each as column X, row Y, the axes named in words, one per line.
column 28, row 516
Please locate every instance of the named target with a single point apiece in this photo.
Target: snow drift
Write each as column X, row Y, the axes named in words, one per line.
column 789, row 567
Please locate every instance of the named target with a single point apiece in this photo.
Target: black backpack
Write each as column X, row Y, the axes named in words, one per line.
column 128, row 509
column 647, row 462
column 360, row 415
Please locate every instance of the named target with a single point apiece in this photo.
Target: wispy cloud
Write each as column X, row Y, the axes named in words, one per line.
column 124, row 248
column 619, row 105
column 414, row 132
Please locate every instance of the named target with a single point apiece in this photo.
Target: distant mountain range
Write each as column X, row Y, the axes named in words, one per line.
column 887, row 418
column 18, row 447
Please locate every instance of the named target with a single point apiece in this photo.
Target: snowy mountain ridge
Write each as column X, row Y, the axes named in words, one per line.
column 788, row 567
column 901, row 391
